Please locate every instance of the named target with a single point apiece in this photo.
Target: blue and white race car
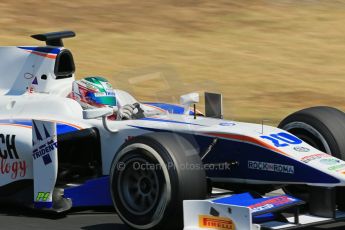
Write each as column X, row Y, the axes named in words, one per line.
column 163, row 166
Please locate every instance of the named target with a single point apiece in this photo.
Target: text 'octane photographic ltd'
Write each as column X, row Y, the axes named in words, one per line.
column 137, row 166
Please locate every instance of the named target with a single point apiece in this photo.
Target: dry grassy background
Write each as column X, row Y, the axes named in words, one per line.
column 268, row 58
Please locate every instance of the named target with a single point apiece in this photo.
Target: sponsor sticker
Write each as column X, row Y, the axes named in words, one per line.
column 100, row 94
column 43, row 151
column 105, row 94
column 301, row 149
column 272, row 167
column 271, row 203
column 337, row 168
column 10, row 162
column 330, row 161
column 227, row 124
column 213, row 222
column 8, row 148
column 28, row 76
column 313, row 157
column 42, row 196
column 89, row 86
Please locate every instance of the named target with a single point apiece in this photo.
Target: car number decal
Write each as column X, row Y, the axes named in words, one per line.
column 282, row 139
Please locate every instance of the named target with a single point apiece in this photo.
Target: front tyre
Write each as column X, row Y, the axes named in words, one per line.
column 150, row 177
column 323, row 128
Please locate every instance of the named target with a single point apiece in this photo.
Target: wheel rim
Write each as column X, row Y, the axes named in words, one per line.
column 139, row 186
column 129, row 216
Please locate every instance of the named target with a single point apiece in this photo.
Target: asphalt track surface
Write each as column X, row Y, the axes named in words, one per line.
column 12, row 218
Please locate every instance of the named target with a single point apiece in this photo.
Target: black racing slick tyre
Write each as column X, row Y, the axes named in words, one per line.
column 150, row 177
column 323, row 128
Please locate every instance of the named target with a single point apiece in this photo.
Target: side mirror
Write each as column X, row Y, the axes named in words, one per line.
column 214, row 105
column 97, row 113
column 187, row 100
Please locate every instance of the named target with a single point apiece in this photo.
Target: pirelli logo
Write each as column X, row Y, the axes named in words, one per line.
column 218, row 223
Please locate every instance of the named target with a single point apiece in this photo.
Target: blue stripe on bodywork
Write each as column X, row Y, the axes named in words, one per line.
column 171, row 108
column 60, row 127
column 169, row 121
column 149, row 129
column 40, row 205
column 95, row 192
column 41, row 49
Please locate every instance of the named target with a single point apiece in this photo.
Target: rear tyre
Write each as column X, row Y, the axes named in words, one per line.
column 324, row 129
column 150, row 178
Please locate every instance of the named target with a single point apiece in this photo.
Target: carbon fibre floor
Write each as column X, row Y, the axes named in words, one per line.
column 24, row 219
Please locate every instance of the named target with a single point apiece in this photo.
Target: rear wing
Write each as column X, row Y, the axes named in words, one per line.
column 54, row 38
column 39, row 69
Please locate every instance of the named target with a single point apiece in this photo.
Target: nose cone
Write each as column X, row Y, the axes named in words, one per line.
column 332, row 166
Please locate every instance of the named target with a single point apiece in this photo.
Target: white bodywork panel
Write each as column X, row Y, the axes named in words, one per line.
column 21, row 69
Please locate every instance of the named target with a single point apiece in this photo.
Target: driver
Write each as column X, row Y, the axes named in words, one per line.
column 97, row 92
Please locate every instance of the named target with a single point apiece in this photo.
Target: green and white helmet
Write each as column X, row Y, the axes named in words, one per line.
column 93, row 92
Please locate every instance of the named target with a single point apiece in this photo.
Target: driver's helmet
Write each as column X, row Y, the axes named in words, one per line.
column 93, row 92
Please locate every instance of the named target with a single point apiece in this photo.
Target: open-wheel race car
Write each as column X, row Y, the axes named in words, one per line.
column 159, row 169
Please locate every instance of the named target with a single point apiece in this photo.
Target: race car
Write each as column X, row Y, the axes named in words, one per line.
column 162, row 166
